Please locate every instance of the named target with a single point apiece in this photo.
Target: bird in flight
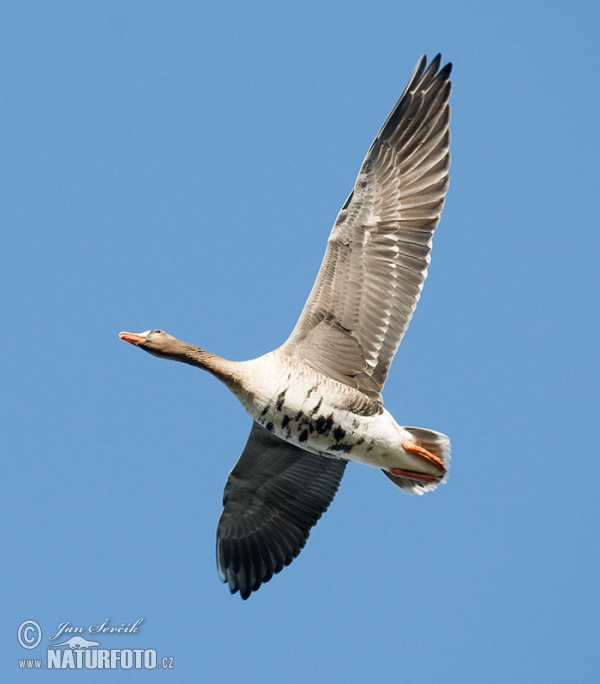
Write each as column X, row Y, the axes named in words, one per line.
column 316, row 400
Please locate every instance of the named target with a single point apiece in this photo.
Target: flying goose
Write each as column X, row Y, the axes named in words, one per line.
column 316, row 400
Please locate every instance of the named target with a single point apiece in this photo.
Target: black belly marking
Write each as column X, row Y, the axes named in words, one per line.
column 269, row 426
column 323, row 425
column 311, row 390
column 317, row 407
column 285, row 421
column 265, row 411
column 346, row 448
column 303, row 436
column 280, row 400
column 339, row 434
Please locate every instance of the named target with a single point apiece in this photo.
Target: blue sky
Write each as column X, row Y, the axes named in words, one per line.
column 179, row 165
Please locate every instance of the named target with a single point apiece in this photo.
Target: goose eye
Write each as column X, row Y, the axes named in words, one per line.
column 157, row 331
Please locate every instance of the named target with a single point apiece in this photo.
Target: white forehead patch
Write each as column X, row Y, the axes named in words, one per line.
column 145, row 334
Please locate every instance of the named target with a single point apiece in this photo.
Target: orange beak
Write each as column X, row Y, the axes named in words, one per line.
column 132, row 338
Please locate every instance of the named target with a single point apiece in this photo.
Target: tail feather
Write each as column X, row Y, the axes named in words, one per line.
column 436, row 443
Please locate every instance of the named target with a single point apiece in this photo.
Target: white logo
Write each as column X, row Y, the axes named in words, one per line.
column 77, row 642
column 85, row 653
column 29, row 634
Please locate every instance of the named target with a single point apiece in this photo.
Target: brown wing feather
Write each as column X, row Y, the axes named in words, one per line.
column 377, row 255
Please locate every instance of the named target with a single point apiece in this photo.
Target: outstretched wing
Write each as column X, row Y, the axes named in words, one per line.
column 377, row 255
column 272, row 498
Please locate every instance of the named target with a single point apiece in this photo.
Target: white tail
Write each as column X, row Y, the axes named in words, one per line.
column 438, row 445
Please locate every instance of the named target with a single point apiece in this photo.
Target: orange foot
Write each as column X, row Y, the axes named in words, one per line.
column 420, row 452
column 417, row 450
column 413, row 475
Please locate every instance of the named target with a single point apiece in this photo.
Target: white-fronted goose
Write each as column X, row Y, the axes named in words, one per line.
column 316, row 400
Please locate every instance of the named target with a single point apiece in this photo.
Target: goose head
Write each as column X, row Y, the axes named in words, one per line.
column 155, row 342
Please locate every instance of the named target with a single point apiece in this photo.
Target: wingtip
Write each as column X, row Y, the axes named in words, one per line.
column 446, row 70
column 434, row 66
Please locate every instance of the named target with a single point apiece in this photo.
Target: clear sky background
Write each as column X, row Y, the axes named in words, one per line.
column 180, row 165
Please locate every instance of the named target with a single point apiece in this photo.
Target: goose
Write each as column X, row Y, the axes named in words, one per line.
column 316, row 400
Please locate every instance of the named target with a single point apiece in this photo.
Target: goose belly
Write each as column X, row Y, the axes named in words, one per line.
column 305, row 415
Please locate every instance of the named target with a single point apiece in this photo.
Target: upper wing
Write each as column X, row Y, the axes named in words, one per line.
column 272, row 498
column 378, row 252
